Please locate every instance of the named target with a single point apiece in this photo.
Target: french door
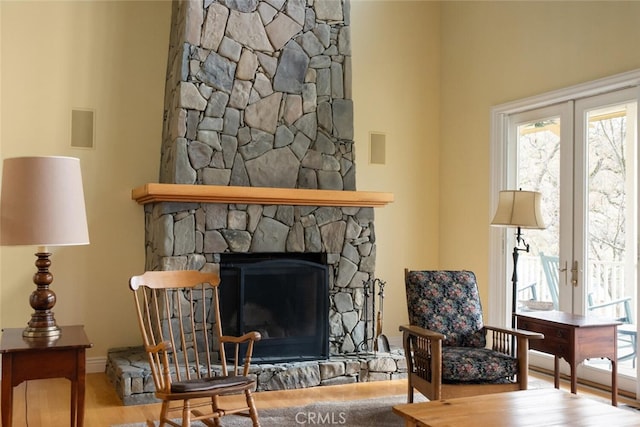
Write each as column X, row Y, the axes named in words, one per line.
column 581, row 153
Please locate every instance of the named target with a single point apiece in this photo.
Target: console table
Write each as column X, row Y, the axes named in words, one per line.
column 38, row 358
column 573, row 338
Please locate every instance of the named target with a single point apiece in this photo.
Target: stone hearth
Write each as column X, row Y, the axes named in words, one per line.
column 128, row 369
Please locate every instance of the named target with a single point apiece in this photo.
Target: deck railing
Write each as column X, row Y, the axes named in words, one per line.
column 606, row 283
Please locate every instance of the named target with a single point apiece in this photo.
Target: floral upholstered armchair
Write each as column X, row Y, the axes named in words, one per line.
column 449, row 351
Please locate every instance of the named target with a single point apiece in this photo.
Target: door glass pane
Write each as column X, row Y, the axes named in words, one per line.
column 610, row 270
column 538, row 148
column 610, row 223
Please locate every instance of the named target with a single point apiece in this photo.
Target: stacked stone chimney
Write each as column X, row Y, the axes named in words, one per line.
column 258, row 94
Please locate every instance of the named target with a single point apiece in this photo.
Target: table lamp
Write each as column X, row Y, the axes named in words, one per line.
column 521, row 209
column 42, row 204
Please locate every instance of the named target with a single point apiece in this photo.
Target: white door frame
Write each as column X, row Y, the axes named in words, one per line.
column 499, row 275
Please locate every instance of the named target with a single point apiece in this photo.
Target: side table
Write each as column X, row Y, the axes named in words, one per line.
column 573, row 338
column 30, row 359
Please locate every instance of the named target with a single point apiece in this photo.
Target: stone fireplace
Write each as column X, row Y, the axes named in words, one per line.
column 190, row 235
column 258, row 95
column 257, row 152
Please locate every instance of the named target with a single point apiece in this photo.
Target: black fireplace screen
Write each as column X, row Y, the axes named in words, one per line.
column 286, row 300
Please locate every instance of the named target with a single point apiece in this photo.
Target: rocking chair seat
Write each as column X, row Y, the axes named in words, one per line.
column 210, row 383
column 476, row 365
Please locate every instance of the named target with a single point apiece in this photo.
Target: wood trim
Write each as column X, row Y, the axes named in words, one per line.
column 154, row 192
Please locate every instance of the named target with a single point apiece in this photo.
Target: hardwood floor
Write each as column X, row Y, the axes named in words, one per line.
column 48, row 400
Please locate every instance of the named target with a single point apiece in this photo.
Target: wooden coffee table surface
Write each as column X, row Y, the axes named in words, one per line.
column 541, row 407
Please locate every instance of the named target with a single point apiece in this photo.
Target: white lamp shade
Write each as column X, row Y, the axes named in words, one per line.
column 42, row 202
column 517, row 208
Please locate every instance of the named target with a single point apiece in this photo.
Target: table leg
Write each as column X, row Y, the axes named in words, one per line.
column 614, row 368
column 80, row 380
column 614, row 381
column 7, row 391
column 574, row 377
column 556, row 371
column 74, row 403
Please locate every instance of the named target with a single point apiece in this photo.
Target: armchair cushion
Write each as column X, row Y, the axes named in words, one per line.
column 447, row 302
column 476, row 365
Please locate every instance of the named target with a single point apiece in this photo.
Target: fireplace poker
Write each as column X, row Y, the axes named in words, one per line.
column 364, row 345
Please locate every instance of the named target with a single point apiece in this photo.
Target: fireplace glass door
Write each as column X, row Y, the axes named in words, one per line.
column 286, row 300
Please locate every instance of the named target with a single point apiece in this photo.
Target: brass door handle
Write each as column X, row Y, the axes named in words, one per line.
column 562, row 270
column 574, row 274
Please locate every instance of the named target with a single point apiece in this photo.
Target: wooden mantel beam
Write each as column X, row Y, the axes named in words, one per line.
column 154, row 192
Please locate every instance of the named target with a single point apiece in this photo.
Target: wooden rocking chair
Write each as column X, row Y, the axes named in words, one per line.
column 179, row 317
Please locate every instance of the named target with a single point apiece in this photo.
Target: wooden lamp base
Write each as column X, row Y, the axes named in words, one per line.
column 42, row 323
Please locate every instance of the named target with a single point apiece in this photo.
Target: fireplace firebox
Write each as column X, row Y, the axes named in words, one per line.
column 285, row 297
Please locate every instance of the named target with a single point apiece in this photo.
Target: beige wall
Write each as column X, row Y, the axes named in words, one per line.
column 424, row 73
column 396, row 91
column 495, row 52
column 111, row 57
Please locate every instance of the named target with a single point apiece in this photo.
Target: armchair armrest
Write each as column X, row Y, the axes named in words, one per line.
column 518, row 333
column 249, row 338
column 610, row 303
column 626, row 302
column 422, row 332
column 514, row 342
column 159, row 354
column 163, row 346
column 423, row 353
